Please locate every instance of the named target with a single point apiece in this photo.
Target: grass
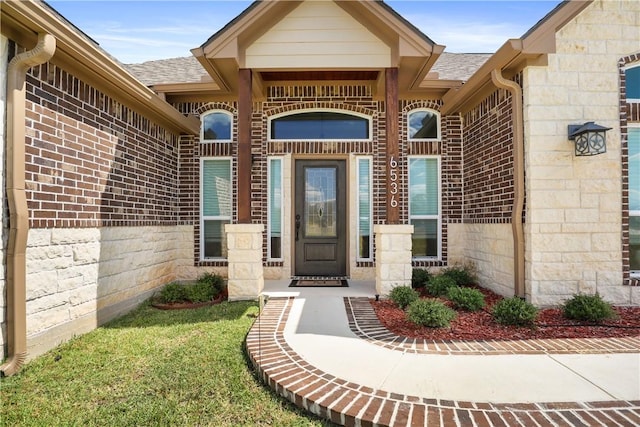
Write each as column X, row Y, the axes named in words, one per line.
column 151, row 368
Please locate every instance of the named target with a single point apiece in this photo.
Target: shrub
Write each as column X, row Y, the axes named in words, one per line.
column 214, row 280
column 591, row 308
column 430, row 313
column 403, row 296
column 439, row 285
column 514, row 311
column 466, row 298
column 201, row 292
column 173, row 292
column 462, row 275
column 419, row 278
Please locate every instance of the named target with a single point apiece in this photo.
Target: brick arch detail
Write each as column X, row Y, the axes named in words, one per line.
column 320, row 105
column 430, row 104
column 629, row 113
column 215, row 106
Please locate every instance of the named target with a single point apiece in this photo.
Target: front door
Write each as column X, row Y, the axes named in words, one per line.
column 320, row 218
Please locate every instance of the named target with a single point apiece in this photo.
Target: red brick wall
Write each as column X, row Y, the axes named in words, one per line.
column 91, row 161
column 351, row 98
column 488, row 160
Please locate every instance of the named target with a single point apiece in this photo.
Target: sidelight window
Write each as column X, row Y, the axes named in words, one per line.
column 424, row 206
column 216, row 206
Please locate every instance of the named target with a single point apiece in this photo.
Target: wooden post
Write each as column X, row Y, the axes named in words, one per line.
column 244, row 146
column 393, row 150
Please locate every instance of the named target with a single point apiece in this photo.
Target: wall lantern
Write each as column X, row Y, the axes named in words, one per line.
column 590, row 138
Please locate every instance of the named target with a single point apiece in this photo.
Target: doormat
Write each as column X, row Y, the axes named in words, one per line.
column 318, row 283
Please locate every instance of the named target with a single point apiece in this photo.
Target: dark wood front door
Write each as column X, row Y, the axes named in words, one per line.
column 320, row 218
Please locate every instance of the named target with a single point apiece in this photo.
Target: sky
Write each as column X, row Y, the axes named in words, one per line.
column 139, row 31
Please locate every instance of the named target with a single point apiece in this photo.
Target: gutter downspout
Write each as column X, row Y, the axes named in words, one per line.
column 16, row 195
column 518, row 173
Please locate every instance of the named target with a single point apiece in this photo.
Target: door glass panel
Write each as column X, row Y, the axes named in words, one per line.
column 320, row 202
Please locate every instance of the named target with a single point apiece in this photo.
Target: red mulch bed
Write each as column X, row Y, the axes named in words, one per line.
column 480, row 325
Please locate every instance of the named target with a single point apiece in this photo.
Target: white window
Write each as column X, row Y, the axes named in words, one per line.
column 634, row 200
column 274, row 209
column 216, row 206
column 424, row 206
column 216, row 126
column 365, row 209
column 632, row 80
column 424, row 124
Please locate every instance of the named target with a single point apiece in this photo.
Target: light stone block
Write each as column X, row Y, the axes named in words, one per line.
column 245, row 269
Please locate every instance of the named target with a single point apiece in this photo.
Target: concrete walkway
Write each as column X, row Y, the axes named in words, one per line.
column 323, row 349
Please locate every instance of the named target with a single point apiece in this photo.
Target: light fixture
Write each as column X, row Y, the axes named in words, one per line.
column 590, row 138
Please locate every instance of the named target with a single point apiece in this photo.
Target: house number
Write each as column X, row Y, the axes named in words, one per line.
column 393, row 175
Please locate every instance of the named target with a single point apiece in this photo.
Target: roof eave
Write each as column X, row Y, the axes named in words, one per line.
column 515, row 54
column 80, row 55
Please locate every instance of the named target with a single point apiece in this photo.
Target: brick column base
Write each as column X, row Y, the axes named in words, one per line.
column 393, row 256
column 246, row 276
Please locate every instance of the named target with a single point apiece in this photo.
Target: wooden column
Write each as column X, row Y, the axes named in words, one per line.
column 393, row 150
column 244, row 146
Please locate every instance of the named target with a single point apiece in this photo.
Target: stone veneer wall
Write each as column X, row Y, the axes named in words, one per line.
column 101, row 183
column 80, row 278
column 574, row 212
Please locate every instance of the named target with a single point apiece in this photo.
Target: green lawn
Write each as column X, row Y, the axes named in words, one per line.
column 150, row 368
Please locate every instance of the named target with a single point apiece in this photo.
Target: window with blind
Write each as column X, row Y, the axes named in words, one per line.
column 274, row 208
column 216, row 126
column 423, row 124
column 424, row 206
column 216, row 206
column 365, row 241
column 634, row 200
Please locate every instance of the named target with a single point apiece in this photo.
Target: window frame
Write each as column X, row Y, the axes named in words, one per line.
column 217, row 111
column 629, row 67
column 204, row 218
column 438, row 124
column 269, row 207
column 369, row 159
column 368, row 118
column 438, row 216
column 635, row 274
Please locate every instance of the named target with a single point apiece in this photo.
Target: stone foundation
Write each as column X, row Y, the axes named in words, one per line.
column 393, row 257
column 246, row 274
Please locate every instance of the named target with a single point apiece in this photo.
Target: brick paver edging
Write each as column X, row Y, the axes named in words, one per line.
column 365, row 324
column 351, row 404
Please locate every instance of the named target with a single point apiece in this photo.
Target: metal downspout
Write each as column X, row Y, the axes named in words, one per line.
column 16, row 195
column 518, row 175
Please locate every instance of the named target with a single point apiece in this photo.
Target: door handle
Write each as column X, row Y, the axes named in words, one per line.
column 297, row 227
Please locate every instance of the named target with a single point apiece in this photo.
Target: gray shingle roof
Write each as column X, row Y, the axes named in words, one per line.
column 174, row 70
column 459, row 66
column 450, row 66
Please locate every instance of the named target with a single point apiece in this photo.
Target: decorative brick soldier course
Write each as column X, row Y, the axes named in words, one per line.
column 350, row 404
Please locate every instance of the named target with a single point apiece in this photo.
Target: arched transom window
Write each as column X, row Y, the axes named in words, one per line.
column 216, row 125
column 318, row 125
column 424, row 124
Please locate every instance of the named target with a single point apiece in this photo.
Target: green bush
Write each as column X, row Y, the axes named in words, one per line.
column 419, row 278
column 439, row 285
column 463, row 276
column 514, row 311
column 214, row 280
column 591, row 308
column 201, row 292
column 173, row 292
column 403, row 296
column 466, row 298
column 430, row 313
